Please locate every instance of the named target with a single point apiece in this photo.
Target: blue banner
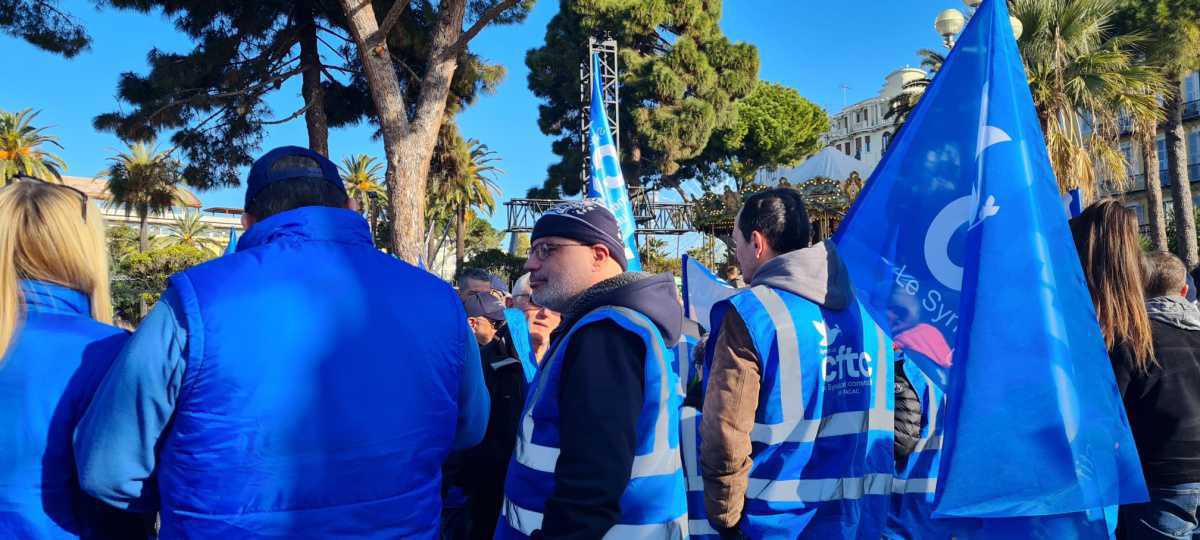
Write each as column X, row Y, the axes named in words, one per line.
column 701, row 291
column 607, row 183
column 960, row 238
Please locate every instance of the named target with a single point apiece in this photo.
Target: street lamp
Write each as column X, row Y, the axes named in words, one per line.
column 948, row 24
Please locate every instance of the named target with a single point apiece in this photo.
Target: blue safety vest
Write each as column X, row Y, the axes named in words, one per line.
column 822, row 442
column 652, row 506
column 321, row 391
column 913, row 489
column 689, row 436
column 518, row 329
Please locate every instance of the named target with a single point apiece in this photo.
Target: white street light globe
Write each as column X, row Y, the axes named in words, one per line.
column 1017, row 27
column 949, row 23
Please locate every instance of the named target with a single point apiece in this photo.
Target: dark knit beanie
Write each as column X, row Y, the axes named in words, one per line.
column 587, row 222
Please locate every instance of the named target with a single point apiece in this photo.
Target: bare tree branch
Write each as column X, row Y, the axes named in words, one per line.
column 291, row 117
column 485, row 19
column 390, row 20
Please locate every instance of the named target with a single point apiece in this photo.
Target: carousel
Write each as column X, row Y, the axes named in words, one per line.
column 829, row 182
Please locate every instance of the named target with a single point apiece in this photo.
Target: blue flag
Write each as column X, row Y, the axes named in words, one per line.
column 959, row 241
column 607, row 183
column 701, row 291
column 231, row 247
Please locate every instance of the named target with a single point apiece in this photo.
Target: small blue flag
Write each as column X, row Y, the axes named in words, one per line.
column 701, row 291
column 231, row 247
column 607, row 183
column 961, row 230
column 1073, row 202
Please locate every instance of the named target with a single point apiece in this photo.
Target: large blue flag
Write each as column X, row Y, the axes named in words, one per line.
column 607, row 183
column 959, row 241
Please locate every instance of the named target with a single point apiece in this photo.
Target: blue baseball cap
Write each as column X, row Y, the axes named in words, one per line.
column 289, row 163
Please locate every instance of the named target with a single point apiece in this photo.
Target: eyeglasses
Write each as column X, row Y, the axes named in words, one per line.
column 83, row 198
column 544, row 250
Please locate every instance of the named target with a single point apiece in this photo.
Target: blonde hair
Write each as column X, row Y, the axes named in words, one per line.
column 44, row 236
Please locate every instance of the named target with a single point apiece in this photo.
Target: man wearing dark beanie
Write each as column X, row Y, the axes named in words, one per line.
column 597, row 452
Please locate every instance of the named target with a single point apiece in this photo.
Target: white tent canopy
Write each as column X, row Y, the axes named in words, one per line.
column 828, row 163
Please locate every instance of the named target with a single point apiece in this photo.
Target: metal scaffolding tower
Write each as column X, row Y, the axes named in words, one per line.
column 610, row 89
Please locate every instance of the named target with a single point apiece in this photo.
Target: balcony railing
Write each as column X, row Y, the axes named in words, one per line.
column 1191, row 109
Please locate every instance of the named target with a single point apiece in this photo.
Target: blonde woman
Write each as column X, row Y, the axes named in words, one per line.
column 56, row 343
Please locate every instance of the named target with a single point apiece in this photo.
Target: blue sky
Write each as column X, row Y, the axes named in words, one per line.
column 813, row 46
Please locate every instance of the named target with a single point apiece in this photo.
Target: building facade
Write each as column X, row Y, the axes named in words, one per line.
column 861, row 130
column 1134, row 195
column 219, row 220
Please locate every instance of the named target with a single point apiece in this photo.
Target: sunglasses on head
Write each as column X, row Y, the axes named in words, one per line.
column 83, row 198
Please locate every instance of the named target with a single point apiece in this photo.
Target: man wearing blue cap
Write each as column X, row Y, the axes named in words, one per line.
column 287, row 390
column 597, row 453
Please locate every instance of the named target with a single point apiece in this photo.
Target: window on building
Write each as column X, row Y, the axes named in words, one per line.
column 1127, row 153
column 1191, row 87
column 1193, row 151
column 887, row 140
column 1161, row 151
column 858, row 146
column 1137, row 209
column 868, row 146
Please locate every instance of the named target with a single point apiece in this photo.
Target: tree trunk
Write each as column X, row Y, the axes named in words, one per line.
column 1154, row 202
column 460, row 239
column 408, row 146
column 143, row 233
column 314, row 94
column 367, row 214
column 1181, row 188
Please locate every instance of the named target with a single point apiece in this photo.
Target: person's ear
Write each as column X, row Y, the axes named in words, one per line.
column 352, row 204
column 758, row 244
column 599, row 252
column 1184, row 292
column 247, row 221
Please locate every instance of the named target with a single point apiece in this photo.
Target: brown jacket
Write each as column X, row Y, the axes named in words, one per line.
column 730, row 403
column 731, row 399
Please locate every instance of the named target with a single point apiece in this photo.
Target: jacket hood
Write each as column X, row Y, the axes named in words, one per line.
column 653, row 295
column 1176, row 311
column 815, row 273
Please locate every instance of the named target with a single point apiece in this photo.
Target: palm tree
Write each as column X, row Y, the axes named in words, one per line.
column 363, row 176
column 1172, row 46
column 471, row 189
column 143, row 180
column 21, row 148
column 903, row 104
column 189, row 229
column 1083, row 75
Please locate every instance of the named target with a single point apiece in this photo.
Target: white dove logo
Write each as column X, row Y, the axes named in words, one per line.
column 965, row 210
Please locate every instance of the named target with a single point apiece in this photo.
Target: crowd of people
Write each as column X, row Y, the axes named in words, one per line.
column 309, row 385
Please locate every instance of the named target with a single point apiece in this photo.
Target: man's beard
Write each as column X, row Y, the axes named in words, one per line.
column 559, row 293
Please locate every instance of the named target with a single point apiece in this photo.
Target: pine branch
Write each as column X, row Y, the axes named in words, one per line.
column 290, row 117
column 485, row 19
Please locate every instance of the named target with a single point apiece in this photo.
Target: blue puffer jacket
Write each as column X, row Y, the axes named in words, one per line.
column 321, row 391
column 47, row 378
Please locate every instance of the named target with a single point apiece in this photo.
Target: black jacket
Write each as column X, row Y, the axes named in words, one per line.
column 481, row 470
column 600, row 398
column 1163, row 404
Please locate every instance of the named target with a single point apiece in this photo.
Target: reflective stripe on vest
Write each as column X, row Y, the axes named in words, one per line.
column 527, row 520
column 653, row 505
column 920, row 474
column 689, row 444
column 823, row 435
